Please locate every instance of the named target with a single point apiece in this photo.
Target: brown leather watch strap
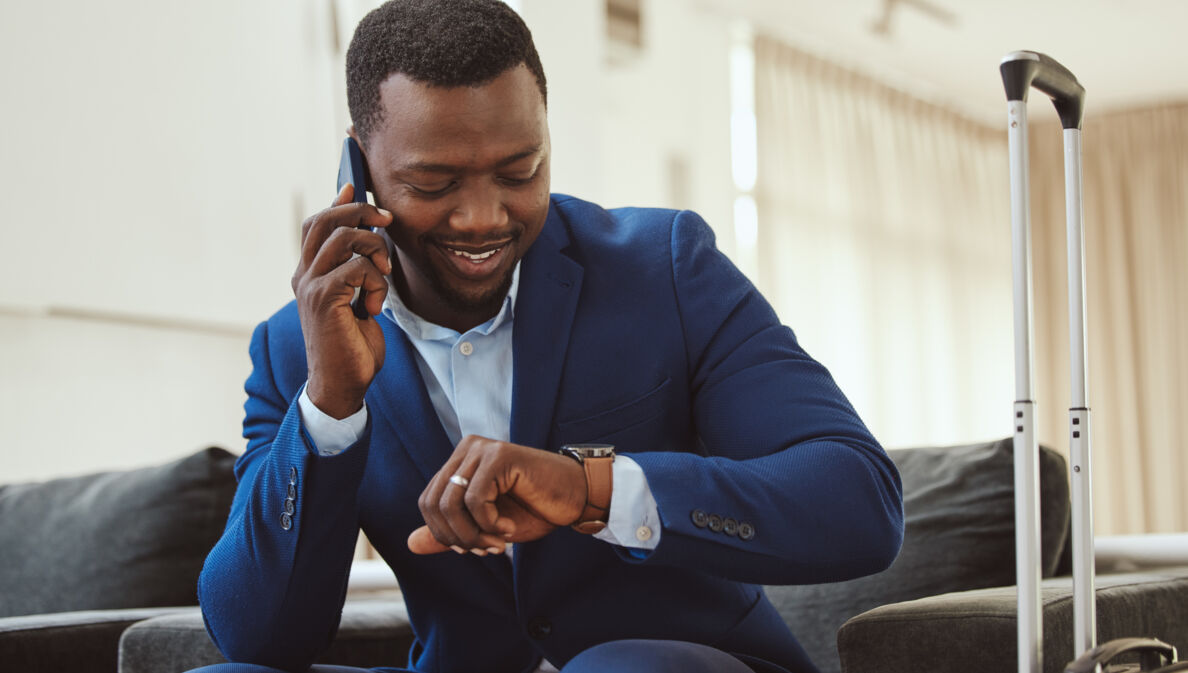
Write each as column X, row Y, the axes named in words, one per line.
column 599, row 478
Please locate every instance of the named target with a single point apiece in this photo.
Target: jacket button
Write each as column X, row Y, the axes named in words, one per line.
column 745, row 531
column 540, row 628
column 700, row 518
column 286, row 521
column 290, row 508
column 715, row 523
column 730, row 527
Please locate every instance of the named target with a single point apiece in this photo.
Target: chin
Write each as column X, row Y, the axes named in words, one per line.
column 486, row 301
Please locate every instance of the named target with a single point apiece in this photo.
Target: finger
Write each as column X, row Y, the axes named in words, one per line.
column 334, row 291
column 430, row 501
column 480, row 500
column 421, row 541
column 456, row 514
column 318, row 227
column 343, row 244
column 434, row 524
column 435, row 500
column 345, row 195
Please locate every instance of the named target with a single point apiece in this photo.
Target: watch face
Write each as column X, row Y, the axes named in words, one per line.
column 589, row 450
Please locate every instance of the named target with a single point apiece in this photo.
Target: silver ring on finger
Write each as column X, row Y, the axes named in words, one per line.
column 459, row 480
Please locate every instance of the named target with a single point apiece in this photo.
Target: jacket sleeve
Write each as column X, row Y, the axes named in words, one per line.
column 788, row 485
column 273, row 587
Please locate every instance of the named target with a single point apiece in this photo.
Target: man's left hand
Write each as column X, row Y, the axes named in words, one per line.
column 508, row 493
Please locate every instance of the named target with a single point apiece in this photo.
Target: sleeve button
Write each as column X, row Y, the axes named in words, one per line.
column 290, row 508
column 286, row 521
column 700, row 519
column 715, row 523
column 293, row 476
column 745, row 531
column 730, row 527
column 292, row 492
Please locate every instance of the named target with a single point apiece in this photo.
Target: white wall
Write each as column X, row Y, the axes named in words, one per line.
column 81, row 395
column 157, row 159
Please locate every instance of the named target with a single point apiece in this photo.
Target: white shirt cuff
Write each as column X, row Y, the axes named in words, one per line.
column 330, row 435
column 634, row 519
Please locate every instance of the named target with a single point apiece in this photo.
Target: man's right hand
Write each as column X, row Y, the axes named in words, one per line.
column 343, row 352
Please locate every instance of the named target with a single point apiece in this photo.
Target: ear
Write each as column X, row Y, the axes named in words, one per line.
column 362, row 150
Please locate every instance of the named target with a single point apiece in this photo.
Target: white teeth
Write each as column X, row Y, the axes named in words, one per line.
column 473, row 257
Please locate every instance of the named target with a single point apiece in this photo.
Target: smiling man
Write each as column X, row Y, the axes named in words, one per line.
column 580, row 437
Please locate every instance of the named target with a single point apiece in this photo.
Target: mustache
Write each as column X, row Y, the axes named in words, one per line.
column 485, row 239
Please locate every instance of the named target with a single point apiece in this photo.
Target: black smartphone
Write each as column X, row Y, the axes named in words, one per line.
column 350, row 169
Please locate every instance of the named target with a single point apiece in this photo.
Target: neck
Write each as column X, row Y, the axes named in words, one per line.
column 419, row 297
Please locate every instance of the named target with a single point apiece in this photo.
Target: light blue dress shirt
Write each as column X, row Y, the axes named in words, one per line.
column 469, row 380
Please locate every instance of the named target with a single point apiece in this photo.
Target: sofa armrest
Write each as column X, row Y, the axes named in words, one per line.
column 974, row 631
column 63, row 642
column 371, row 633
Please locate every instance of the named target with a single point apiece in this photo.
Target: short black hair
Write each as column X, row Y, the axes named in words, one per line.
column 446, row 43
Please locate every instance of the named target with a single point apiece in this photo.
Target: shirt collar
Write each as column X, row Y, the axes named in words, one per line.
column 417, row 327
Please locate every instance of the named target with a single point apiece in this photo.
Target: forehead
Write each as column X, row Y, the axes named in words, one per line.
column 423, row 122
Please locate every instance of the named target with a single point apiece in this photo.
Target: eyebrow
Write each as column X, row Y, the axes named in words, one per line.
column 430, row 167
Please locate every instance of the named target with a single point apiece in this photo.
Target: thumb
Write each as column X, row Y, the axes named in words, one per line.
column 421, row 541
column 345, row 195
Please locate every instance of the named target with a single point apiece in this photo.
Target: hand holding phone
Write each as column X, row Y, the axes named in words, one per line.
column 340, row 281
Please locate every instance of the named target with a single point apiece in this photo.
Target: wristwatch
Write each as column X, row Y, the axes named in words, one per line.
column 597, row 461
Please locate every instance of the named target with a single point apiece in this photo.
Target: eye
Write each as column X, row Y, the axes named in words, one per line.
column 431, row 191
column 515, row 181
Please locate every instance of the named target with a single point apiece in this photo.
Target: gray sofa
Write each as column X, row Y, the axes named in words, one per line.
column 117, row 553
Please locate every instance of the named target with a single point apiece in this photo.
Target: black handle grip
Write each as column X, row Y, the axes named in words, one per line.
column 1154, row 653
column 1022, row 70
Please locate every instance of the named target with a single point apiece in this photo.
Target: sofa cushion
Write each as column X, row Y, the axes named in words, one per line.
column 126, row 539
column 370, row 633
column 68, row 642
column 975, row 631
column 959, row 533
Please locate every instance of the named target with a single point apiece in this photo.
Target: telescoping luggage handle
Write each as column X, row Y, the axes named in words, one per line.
column 1022, row 70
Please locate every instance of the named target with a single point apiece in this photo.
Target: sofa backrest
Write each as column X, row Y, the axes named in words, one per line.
column 959, row 534
column 128, row 539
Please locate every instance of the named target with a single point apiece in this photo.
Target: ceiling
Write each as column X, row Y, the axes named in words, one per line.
column 1125, row 52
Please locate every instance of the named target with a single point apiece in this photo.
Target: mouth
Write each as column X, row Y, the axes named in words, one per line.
column 472, row 256
column 475, row 262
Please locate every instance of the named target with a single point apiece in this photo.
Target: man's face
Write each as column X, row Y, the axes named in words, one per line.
column 465, row 172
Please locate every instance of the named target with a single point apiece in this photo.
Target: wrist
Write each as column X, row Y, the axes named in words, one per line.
column 334, row 404
column 597, row 463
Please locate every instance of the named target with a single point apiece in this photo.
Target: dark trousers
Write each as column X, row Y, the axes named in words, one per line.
column 621, row 656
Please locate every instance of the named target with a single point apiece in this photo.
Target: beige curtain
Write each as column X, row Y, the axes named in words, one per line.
column 885, row 243
column 1136, row 247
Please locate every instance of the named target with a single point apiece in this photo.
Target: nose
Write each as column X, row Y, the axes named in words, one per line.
column 480, row 210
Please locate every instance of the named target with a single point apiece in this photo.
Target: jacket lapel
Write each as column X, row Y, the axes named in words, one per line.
column 400, row 393
column 550, row 284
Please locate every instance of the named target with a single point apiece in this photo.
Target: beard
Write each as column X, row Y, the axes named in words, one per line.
column 455, row 299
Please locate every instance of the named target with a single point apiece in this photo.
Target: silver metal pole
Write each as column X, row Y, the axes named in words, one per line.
column 1084, row 597
column 1027, row 530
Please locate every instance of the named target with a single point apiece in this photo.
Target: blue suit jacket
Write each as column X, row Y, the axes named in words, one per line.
column 632, row 329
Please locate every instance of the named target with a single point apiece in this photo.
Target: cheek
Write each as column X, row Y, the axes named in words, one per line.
column 531, row 206
column 411, row 219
